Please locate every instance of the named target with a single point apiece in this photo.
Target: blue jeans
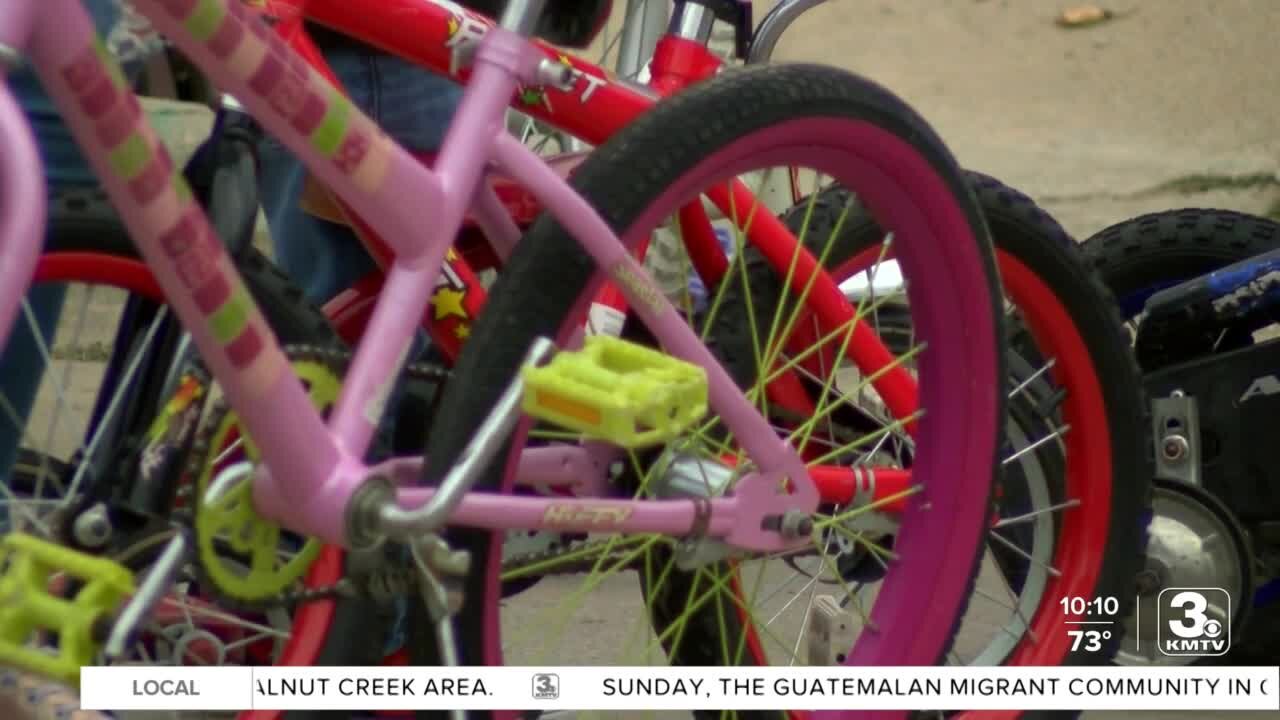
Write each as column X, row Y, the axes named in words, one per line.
column 412, row 105
column 21, row 365
column 325, row 258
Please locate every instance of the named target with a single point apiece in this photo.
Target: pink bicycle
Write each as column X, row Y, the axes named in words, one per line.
column 713, row 497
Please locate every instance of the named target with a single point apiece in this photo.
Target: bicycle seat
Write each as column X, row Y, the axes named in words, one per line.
column 573, row 23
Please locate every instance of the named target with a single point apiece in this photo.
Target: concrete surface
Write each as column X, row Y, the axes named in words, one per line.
column 1088, row 120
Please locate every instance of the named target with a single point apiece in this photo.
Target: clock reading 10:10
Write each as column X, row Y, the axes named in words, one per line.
column 1108, row 605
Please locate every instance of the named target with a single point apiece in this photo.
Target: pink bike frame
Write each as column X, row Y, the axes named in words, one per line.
column 435, row 33
column 314, row 468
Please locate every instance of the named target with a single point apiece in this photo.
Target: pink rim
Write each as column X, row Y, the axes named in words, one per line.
column 921, row 597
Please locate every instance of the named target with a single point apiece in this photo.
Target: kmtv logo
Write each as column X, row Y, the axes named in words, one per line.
column 1194, row 622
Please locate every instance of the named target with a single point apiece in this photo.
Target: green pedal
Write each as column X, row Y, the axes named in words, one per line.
column 621, row 392
column 30, row 612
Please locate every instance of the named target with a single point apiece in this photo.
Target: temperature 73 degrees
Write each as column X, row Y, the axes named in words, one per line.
column 1092, row 639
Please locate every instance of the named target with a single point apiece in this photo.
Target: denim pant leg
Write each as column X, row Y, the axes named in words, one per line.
column 325, row 258
column 21, row 365
column 413, row 106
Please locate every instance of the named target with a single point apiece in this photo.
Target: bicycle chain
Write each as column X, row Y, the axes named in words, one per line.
column 386, row 583
column 336, row 361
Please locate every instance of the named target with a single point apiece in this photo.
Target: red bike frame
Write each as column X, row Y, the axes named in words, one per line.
column 438, row 35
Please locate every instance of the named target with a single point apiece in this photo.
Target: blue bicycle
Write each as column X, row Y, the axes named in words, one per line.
column 1200, row 291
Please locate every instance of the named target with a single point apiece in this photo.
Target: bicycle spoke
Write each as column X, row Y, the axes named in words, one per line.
column 1022, row 386
column 1025, row 555
column 1035, row 514
column 1039, row 442
column 60, row 402
column 116, row 400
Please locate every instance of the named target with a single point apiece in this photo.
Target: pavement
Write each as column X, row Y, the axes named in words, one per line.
column 1099, row 123
column 1171, row 104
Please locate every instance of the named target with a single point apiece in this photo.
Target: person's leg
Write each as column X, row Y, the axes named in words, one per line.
column 412, row 105
column 322, row 257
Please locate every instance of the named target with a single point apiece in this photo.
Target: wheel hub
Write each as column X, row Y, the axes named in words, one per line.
column 1194, row 542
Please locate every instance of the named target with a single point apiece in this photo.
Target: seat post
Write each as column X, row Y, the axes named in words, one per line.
column 522, row 16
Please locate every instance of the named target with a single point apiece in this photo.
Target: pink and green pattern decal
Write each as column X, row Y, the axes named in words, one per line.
column 136, row 156
column 334, row 127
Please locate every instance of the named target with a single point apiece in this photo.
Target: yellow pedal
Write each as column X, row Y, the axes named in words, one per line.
column 617, row 391
column 28, row 568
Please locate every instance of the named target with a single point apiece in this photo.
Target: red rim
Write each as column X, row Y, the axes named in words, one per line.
column 1083, row 536
column 1088, row 453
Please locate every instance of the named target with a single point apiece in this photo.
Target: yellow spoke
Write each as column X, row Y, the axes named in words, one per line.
column 791, row 269
column 859, row 538
column 863, row 509
column 870, row 437
column 794, row 316
column 825, row 409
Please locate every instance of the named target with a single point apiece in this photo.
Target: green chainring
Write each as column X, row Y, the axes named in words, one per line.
column 240, row 551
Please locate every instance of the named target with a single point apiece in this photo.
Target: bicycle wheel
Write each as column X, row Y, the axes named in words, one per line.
column 90, row 256
column 1074, row 501
column 841, row 127
column 1137, row 258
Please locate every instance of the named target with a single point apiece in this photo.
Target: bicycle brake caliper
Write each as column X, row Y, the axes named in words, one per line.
column 617, row 391
column 28, row 606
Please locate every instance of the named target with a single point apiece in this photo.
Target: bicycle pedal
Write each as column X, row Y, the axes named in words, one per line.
column 617, row 391
column 28, row 609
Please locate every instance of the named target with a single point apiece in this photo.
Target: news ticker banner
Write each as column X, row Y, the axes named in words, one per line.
column 688, row 688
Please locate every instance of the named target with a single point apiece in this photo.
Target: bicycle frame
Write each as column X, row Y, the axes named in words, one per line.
column 438, row 34
column 312, row 470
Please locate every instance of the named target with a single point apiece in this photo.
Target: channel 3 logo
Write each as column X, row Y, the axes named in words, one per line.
column 1193, row 622
column 546, row 686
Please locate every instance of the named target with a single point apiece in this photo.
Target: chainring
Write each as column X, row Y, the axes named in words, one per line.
column 239, row 552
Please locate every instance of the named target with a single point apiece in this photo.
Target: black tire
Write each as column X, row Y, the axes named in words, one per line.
column 1019, row 228
column 84, row 221
column 548, row 274
column 1027, row 233
column 1163, row 249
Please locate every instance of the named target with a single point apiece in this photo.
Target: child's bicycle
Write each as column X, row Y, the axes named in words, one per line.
column 1073, row 382
column 867, row 556
column 1201, row 292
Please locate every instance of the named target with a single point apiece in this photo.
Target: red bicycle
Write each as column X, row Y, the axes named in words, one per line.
column 1074, row 399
